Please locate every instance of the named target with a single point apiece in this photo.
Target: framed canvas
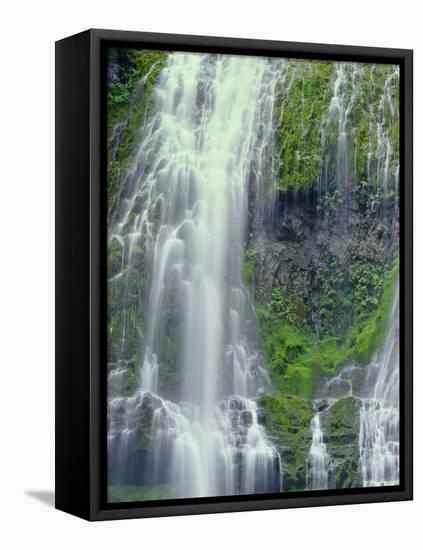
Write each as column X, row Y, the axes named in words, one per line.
column 233, row 274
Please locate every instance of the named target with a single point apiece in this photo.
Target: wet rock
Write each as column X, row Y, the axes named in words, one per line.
column 246, row 418
column 236, row 403
column 341, row 424
column 322, row 405
column 287, row 421
column 261, row 417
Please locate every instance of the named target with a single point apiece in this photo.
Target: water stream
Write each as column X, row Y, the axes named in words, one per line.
column 213, row 123
column 185, row 201
column 376, row 386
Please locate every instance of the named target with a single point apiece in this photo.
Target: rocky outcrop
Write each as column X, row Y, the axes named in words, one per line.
column 287, row 420
column 342, row 427
column 313, row 256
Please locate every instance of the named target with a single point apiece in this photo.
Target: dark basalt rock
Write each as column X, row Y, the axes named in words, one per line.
column 322, row 405
column 341, row 423
column 287, row 422
column 246, row 418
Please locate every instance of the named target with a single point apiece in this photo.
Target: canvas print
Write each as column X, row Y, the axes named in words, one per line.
column 253, row 260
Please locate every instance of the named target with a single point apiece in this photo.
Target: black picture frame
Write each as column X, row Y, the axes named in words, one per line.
column 81, row 273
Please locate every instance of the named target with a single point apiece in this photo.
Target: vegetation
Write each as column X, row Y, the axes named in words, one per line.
column 130, row 67
column 313, row 317
column 133, row 74
column 303, row 97
column 126, row 307
column 287, row 421
column 342, row 423
column 135, row 493
column 307, row 129
column 297, row 357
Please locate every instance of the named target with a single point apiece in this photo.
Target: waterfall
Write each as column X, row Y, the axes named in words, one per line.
column 185, row 372
column 185, row 206
column 376, row 386
column 339, row 133
column 379, row 415
column 319, row 464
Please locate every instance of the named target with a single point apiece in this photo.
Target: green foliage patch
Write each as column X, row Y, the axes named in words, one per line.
column 134, row 493
column 297, row 359
column 341, row 426
column 307, row 131
column 128, row 103
column 302, row 98
column 287, row 421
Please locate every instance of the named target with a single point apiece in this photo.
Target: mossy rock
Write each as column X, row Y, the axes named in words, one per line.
column 342, row 429
column 129, row 105
column 287, row 420
column 302, row 97
column 298, row 359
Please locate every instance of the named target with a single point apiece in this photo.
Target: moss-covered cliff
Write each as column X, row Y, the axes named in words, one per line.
column 323, row 273
column 131, row 77
column 322, row 270
column 287, row 420
column 342, row 427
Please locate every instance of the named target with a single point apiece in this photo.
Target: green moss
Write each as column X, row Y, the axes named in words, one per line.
column 368, row 282
column 114, row 258
column 133, row 493
column 298, row 380
column 287, row 421
column 249, row 268
column 342, row 417
column 132, row 378
column 371, row 108
column 126, row 306
column 342, row 427
column 369, row 332
column 283, row 346
column 129, row 103
column 297, row 359
column 306, row 133
column 302, row 97
column 133, row 65
column 334, row 301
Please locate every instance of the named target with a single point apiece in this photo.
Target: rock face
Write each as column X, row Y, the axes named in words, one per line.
column 131, row 422
column 287, row 420
column 320, row 264
column 342, row 427
column 309, row 256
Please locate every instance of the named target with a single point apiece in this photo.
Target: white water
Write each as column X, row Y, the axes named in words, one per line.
column 319, row 463
column 379, row 415
column 185, row 203
column 337, row 127
column 376, row 385
column 213, row 125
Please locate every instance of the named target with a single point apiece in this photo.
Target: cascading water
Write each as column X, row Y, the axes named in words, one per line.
column 319, row 463
column 185, row 372
column 186, row 197
column 379, row 415
column 376, row 386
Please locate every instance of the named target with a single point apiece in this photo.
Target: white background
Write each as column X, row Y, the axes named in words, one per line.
column 28, row 31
